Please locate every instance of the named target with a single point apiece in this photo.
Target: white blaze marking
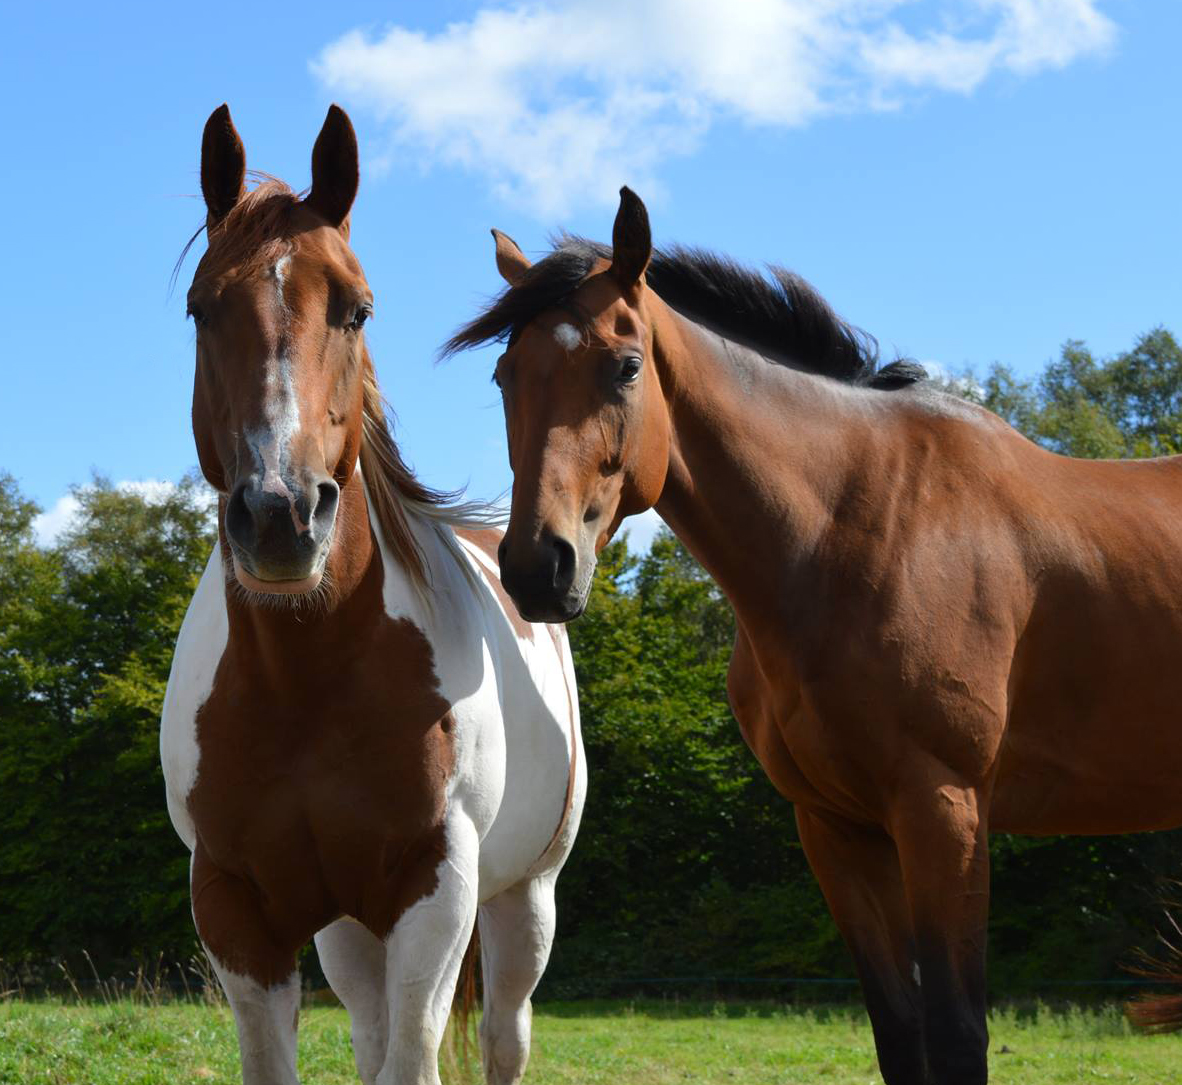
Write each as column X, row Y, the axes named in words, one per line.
column 283, row 423
column 272, row 443
column 568, row 336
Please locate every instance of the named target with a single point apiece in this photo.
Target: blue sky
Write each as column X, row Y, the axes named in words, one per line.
column 971, row 181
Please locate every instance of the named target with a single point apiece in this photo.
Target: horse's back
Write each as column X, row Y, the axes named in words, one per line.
column 1072, row 572
column 1094, row 742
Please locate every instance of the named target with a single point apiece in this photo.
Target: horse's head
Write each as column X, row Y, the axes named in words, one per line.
column 587, row 424
column 278, row 301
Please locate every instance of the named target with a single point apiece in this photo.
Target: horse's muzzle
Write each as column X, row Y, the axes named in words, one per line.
column 280, row 541
column 541, row 578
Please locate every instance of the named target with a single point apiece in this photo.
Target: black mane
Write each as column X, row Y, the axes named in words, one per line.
column 777, row 313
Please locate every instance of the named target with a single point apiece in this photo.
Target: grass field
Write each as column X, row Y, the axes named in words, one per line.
column 654, row 1043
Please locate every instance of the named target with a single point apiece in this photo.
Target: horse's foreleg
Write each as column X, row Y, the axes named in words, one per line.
column 257, row 973
column 858, row 871
column 267, row 1018
column 942, row 838
column 424, row 952
column 516, row 931
column 354, row 963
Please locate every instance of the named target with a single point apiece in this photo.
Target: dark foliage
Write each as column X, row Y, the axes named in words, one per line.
column 88, row 858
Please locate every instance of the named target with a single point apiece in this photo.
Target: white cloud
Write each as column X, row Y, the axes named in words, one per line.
column 558, row 103
column 152, row 490
column 49, row 525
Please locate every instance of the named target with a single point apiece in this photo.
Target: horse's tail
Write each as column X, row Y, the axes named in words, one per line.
column 465, row 1000
column 1157, row 1013
column 1160, row 1013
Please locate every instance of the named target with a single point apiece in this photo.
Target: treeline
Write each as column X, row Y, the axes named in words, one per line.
column 88, row 857
column 687, row 865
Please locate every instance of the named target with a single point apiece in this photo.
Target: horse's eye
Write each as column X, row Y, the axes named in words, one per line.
column 630, row 370
column 362, row 314
column 197, row 315
column 496, row 378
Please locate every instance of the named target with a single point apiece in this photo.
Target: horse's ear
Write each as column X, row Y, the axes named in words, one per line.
column 512, row 263
column 223, row 165
column 632, row 240
column 335, row 173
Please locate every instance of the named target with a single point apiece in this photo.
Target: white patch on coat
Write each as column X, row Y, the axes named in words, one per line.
column 510, row 703
column 491, row 571
column 424, row 952
column 516, row 932
column 199, row 649
column 354, row 963
column 568, row 336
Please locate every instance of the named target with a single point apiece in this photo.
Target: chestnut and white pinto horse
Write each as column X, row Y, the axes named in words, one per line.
column 362, row 743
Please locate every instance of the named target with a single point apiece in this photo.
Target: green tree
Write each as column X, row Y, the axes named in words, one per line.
column 1128, row 405
column 88, row 859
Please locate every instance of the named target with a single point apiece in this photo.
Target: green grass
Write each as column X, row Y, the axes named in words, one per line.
column 654, row 1043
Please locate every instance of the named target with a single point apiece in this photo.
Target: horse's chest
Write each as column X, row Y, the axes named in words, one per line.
column 328, row 788
column 761, row 706
column 808, row 756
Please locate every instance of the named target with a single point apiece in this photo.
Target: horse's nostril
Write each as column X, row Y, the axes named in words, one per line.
column 265, row 506
column 327, row 496
column 238, row 519
column 564, row 564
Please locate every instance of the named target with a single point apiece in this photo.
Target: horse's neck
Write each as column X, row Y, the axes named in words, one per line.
column 759, row 454
column 363, row 545
column 286, row 635
column 369, row 586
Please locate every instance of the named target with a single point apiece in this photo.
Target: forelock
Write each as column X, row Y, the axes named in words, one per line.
column 548, row 284
column 256, row 232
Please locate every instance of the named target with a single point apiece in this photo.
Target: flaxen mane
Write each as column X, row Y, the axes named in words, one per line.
column 395, row 491
column 777, row 313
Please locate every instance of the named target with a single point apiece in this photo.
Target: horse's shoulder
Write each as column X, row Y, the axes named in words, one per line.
column 200, row 647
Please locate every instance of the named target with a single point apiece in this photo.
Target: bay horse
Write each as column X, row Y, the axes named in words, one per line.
column 942, row 628
column 362, row 743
